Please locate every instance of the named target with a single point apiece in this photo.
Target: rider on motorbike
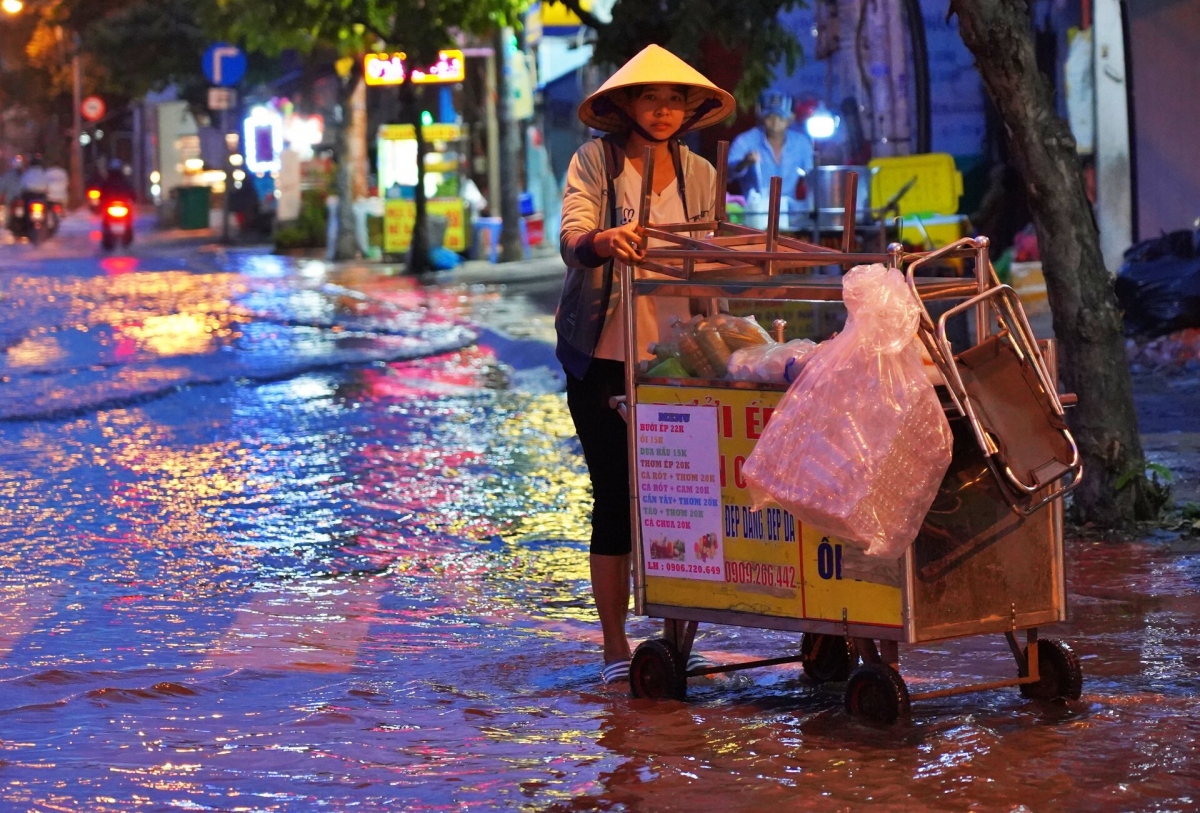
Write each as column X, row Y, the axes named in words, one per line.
column 116, row 207
column 31, row 214
column 115, row 185
column 34, row 180
column 10, row 186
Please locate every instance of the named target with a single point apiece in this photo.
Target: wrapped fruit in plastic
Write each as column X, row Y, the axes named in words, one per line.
column 715, row 349
column 772, row 363
column 797, row 353
column 737, row 331
column 691, row 354
column 744, row 363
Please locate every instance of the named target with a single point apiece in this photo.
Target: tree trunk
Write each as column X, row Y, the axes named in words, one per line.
column 511, row 248
column 351, row 152
column 1087, row 322
column 418, row 250
column 358, row 145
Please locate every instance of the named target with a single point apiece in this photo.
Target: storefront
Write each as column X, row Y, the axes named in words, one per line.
column 397, row 158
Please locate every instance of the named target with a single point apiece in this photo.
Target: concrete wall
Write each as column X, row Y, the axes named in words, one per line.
column 1165, row 63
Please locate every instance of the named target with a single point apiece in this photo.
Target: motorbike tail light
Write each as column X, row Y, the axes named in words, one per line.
column 118, row 210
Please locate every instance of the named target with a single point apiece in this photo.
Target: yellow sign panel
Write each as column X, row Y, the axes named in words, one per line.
column 383, row 69
column 773, row 565
column 431, row 132
column 558, row 16
column 400, row 216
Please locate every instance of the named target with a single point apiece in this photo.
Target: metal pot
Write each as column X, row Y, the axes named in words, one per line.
column 828, row 188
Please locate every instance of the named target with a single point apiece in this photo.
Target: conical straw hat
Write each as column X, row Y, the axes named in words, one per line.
column 656, row 65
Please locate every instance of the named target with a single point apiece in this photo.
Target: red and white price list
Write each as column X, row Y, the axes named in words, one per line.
column 679, row 491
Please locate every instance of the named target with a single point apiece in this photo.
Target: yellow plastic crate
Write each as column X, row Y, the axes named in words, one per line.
column 938, row 186
column 941, row 230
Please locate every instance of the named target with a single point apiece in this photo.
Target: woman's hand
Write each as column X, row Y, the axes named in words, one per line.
column 622, row 242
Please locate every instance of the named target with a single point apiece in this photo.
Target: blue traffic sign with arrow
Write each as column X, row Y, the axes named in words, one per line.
column 224, row 65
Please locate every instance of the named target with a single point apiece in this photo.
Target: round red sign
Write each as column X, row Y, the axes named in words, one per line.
column 92, row 108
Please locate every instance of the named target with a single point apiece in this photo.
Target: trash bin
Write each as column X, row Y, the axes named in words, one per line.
column 193, row 207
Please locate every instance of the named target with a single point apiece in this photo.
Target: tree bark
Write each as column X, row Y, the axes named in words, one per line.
column 1087, row 321
column 511, row 248
column 351, row 152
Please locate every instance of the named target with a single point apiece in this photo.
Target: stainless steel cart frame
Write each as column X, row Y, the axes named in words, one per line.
column 982, row 565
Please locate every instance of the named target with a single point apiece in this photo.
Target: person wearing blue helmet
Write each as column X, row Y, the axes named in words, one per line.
column 772, row 148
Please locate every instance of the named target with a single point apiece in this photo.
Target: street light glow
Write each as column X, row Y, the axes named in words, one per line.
column 821, row 124
column 12, row 6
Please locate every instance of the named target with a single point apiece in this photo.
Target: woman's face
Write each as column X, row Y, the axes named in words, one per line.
column 659, row 110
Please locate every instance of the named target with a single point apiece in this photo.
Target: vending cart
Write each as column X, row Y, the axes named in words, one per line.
column 397, row 151
column 989, row 557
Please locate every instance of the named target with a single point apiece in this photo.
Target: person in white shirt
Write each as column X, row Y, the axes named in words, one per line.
column 57, row 185
column 34, row 180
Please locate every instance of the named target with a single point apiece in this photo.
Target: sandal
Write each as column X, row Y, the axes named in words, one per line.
column 615, row 672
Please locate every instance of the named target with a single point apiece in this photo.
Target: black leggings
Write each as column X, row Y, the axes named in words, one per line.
column 602, row 433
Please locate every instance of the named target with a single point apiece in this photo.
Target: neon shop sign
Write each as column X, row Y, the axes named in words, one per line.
column 390, row 69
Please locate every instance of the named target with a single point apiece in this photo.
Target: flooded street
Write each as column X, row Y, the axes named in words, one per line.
column 275, row 537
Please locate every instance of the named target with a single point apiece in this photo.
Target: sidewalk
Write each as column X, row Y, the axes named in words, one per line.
column 548, row 266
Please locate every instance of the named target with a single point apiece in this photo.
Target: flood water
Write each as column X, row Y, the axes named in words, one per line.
column 276, row 539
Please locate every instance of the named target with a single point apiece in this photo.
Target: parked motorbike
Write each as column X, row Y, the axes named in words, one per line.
column 116, row 223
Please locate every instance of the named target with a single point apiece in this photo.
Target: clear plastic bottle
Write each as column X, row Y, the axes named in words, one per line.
column 693, row 356
column 664, row 350
column 715, row 349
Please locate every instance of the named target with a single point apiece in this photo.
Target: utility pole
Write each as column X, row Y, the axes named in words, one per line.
column 493, row 132
column 75, row 192
column 511, row 248
column 228, row 167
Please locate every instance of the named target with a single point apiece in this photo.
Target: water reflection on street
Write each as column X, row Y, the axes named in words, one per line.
column 273, row 539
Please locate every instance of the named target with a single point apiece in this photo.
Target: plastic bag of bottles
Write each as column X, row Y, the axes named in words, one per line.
column 859, row 444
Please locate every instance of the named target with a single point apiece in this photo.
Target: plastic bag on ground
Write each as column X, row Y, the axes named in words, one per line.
column 1158, row 286
column 859, row 444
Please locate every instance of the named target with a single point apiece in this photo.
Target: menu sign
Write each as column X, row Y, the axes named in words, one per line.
column 679, row 491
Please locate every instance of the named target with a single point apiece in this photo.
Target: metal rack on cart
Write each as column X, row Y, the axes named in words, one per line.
column 989, row 557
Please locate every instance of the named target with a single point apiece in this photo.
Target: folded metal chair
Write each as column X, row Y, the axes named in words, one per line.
column 1003, row 387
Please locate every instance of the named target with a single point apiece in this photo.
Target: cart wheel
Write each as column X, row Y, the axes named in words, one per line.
column 827, row 658
column 658, row 671
column 877, row 693
column 1061, row 676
